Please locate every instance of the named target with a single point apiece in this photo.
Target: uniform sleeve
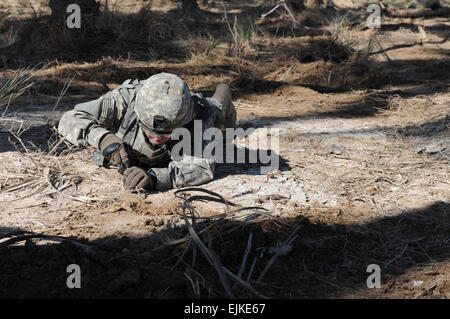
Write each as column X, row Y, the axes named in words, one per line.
column 88, row 122
column 190, row 171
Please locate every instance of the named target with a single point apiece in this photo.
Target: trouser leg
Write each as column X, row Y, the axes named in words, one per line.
column 228, row 117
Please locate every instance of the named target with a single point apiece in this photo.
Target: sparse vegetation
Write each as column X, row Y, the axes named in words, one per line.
column 16, row 86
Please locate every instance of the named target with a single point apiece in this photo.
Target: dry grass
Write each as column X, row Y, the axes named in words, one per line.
column 42, row 170
column 113, row 33
column 416, row 110
column 250, row 53
column 16, row 86
column 201, row 50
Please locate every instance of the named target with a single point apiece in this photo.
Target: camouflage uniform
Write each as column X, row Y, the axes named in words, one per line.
column 115, row 112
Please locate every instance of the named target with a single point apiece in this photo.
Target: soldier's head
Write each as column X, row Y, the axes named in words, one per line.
column 163, row 104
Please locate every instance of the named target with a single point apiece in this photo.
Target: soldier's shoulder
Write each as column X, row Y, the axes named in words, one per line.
column 127, row 89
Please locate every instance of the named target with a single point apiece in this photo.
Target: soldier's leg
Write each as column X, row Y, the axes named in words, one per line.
column 228, row 116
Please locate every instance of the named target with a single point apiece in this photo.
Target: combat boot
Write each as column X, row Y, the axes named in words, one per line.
column 223, row 96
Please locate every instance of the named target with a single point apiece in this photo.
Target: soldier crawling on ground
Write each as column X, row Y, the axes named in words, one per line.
column 132, row 125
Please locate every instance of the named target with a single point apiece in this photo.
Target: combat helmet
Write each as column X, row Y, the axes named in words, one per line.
column 164, row 103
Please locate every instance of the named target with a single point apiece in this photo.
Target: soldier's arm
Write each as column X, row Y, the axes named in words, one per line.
column 190, row 171
column 88, row 122
column 193, row 171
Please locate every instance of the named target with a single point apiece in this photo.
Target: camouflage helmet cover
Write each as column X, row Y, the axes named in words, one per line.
column 164, row 103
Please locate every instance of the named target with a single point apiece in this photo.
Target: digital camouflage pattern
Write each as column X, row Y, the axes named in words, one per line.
column 115, row 112
column 164, row 103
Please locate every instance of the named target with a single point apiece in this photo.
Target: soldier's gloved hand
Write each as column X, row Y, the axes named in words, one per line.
column 136, row 177
column 120, row 156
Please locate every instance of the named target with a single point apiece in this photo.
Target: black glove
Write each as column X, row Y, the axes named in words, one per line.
column 136, row 177
column 119, row 154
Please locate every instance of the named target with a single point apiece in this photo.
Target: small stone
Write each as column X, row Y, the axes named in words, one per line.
column 335, row 150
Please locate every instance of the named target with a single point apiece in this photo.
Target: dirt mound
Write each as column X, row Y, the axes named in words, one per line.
column 330, row 261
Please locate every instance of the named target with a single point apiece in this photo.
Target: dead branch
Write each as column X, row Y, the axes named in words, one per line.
column 245, row 284
column 212, row 258
column 295, row 23
column 281, row 250
column 414, row 13
column 208, row 252
column 20, row 185
column 56, row 146
column 41, row 236
column 252, row 268
column 247, row 251
column 83, row 199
